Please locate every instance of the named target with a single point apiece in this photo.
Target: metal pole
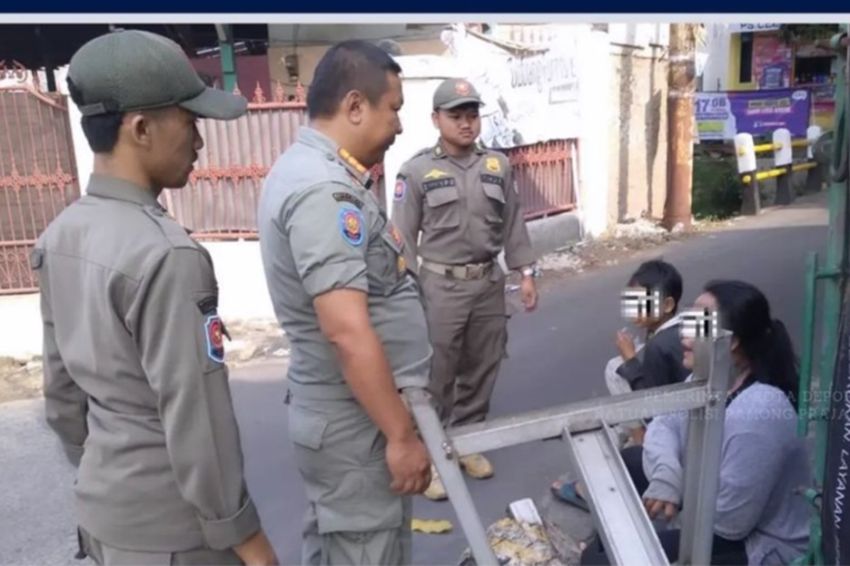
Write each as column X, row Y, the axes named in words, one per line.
column 502, row 432
column 703, row 453
column 680, row 125
column 783, row 158
column 804, row 395
column 228, row 59
column 627, row 533
column 445, row 460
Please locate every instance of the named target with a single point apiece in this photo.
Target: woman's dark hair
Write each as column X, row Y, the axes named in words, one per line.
column 764, row 341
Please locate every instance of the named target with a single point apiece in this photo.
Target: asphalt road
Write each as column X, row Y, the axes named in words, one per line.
column 556, row 355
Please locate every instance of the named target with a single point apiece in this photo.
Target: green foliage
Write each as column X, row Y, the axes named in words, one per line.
column 717, row 189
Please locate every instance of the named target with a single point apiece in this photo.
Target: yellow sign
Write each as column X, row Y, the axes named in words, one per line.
column 493, row 165
column 435, row 174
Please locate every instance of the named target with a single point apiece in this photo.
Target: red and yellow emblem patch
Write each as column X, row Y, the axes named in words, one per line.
column 214, row 332
column 351, row 226
column 400, row 189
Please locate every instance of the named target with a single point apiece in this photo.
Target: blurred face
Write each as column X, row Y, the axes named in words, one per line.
column 169, row 143
column 379, row 124
column 651, row 322
column 704, row 301
column 459, row 126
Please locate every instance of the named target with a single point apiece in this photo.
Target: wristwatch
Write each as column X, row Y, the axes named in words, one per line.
column 528, row 272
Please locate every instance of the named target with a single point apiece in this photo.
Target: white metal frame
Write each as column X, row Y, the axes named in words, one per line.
column 619, row 515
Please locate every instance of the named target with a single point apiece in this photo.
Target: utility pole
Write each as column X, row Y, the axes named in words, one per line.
column 228, row 59
column 680, row 125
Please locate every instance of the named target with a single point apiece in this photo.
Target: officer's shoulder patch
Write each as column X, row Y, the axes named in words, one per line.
column 351, row 226
column 348, row 197
column 400, row 188
column 214, row 335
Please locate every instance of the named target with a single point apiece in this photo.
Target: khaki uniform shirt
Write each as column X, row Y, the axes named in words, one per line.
column 134, row 380
column 466, row 210
column 321, row 229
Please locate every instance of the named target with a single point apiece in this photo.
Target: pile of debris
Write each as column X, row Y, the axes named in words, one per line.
column 20, row 379
column 524, row 539
column 254, row 339
column 616, row 244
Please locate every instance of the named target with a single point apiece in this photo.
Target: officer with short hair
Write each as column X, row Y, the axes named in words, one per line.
column 460, row 199
column 135, row 383
column 341, row 290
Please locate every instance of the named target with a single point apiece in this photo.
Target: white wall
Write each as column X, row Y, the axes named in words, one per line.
column 714, row 57
column 595, row 71
column 243, row 293
column 421, row 75
column 642, row 35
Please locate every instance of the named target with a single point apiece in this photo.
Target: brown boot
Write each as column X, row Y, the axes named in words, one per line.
column 477, row 466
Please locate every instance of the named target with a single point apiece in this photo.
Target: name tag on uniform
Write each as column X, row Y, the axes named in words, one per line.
column 493, row 180
column 438, row 184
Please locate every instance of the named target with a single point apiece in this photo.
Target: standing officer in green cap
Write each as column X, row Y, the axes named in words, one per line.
column 135, row 384
column 462, row 201
column 340, row 288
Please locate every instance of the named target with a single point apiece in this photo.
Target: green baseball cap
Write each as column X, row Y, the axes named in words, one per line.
column 132, row 70
column 455, row 92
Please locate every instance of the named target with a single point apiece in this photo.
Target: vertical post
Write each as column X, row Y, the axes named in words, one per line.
column 228, row 59
column 746, row 155
column 702, row 461
column 804, row 395
column 680, row 125
column 814, row 177
column 783, row 157
column 46, row 59
column 444, row 460
column 813, row 134
column 834, row 263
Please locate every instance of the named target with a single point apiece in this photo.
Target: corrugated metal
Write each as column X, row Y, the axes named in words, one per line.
column 220, row 201
column 544, row 174
column 38, row 177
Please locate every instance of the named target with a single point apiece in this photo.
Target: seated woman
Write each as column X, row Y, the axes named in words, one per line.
column 759, row 518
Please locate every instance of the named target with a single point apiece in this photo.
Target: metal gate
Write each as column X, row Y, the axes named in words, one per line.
column 546, row 176
column 38, row 176
column 220, row 200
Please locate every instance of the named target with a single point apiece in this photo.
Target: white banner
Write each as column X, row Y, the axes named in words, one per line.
column 530, row 95
column 714, row 116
